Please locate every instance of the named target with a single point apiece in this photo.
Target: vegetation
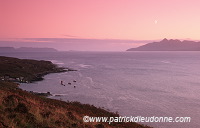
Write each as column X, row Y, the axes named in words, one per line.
column 21, row 109
column 25, row 70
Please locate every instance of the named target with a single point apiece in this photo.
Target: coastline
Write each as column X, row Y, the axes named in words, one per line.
column 26, row 70
column 20, row 108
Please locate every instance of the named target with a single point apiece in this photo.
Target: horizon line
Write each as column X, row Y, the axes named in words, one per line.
column 100, row 38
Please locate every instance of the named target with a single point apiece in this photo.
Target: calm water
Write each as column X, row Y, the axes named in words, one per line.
column 132, row 83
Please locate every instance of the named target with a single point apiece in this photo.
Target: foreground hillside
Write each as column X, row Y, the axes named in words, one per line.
column 21, row 109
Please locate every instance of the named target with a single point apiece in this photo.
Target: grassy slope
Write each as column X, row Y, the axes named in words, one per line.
column 20, row 109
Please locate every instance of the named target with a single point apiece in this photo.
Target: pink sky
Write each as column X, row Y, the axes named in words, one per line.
column 100, row 19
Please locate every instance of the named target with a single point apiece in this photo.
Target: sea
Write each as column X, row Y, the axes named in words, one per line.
column 147, row 84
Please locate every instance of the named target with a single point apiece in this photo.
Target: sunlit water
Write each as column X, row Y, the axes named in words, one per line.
column 132, row 83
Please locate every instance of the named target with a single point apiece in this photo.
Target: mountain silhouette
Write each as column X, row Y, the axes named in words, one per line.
column 169, row 45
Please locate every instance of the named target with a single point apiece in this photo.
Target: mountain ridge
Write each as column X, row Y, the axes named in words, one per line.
column 169, row 45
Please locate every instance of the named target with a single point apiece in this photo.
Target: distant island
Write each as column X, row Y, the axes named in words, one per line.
column 169, row 45
column 26, row 49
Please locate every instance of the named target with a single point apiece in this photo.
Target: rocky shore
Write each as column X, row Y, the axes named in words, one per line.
column 25, row 70
column 22, row 109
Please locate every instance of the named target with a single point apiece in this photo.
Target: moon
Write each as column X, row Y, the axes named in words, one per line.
column 156, row 21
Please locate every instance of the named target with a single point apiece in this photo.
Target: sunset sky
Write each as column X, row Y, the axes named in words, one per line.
column 137, row 20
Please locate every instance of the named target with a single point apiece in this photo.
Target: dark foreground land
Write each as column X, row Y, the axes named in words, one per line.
column 21, row 109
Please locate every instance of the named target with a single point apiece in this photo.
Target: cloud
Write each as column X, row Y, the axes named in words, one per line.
column 25, row 40
column 69, row 36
